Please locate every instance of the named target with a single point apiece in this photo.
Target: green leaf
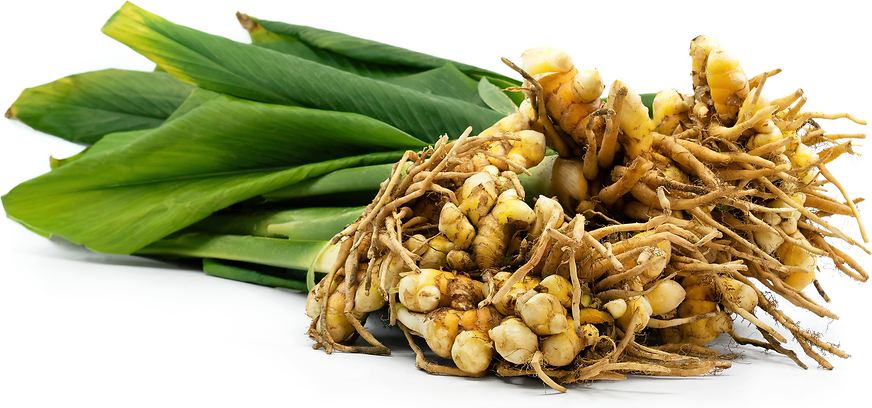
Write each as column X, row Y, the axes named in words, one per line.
column 338, row 61
column 369, row 51
column 221, row 153
column 251, row 72
column 82, row 108
column 444, row 81
column 118, row 139
column 495, row 98
column 648, row 102
column 193, row 101
column 55, row 162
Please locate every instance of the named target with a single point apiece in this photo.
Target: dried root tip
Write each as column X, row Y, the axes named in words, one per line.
column 536, row 362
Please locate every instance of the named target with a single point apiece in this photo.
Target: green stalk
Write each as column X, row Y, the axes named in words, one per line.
column 355, row 179
column 285, row 253
column 318, row 223
column 250, row 274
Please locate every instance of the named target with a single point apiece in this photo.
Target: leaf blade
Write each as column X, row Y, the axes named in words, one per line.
column 187, row 169
column 371, row 51
column 495, row 98
column 84, row 107
column 250, row 72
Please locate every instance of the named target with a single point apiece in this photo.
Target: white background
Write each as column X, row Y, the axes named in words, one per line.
column 80, row 328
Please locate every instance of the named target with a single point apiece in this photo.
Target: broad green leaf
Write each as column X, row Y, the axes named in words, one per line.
column 291, row 45
column 360, row 56
column 368, row 50
column 247, row 71
column 107, row 142
column 82, row 108
column 55, row 162
column 252, row 273
column 318, row 223
column 118, row 139
column 495, row 98
column 338, row 61
column 260, row 35
column 221, row 153
column 194, row 100
column 444, row 81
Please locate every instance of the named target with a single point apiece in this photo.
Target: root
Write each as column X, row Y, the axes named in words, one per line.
column 536, row 362
column 716, row 207
column 433, row 368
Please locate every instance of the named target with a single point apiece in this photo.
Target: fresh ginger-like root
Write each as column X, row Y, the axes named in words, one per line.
column 728, row 83
column 634, row 121
column 440, row 327
column 495, row 229
column 568, row 182
column 701, row 300
column 571, row 95
column 472, row 351
column 542, row 313
column 477, row 196
column 671, row 226
column 668, row 110
column 514, row 340
column 529, row 150
column 430, row 289
column 456, row 226
column 700, row 47
column 636, row 306
column 666, row 297
column 338, row 325
column 506, row 305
